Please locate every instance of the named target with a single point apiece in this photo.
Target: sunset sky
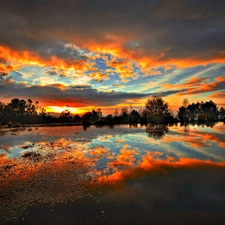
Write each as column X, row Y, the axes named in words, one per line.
column 107, row 54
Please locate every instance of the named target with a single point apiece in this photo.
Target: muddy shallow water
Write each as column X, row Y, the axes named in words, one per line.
column 113, row 175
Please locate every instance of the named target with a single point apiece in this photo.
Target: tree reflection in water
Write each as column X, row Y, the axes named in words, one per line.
column 186, row 130
column 157, row 131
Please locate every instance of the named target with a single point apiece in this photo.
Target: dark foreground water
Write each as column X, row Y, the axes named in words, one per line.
column 113, row 175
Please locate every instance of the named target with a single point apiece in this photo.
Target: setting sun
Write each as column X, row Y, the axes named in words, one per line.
column 58, row 109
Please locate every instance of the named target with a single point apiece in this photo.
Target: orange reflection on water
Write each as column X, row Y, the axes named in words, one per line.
column 59, row 177
column 63, row 170
column 99, row 151
column 198, row 138
column 125, row 158
column 56, row 156
column 150, row 164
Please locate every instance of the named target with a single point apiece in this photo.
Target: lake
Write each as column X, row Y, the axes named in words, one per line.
column 153, row 174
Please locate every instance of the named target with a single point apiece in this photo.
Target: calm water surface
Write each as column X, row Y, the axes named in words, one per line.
column 113, row 175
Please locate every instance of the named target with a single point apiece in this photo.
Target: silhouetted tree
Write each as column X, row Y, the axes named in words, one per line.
column 124, row 111
column 99, row 113
column 221, row 114
column 109, row 118
column 143, row 116
column 134, row 116
column 42, row 115
column 156, row 110
column 31, row 108
column 65, row 116
column 2, row 108
column 210, row 110
column 16, row 110
column 42, row 112
column 91, row 117
column 124, row 117
column 19, row 111
column 201, row 111
column 86, row 117
column 77, row 118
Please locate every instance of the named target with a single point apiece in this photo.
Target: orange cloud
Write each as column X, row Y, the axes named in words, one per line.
column 220, row 79
column 98, row 76
column 191, row 83
column 115, row 46
column 149, row 164
column 123, row 67
column 196, row 85
column 17, row 58
column 125, row 158
column 220, row 95
column 201, row 140
column 99, row 151
column 147, row 60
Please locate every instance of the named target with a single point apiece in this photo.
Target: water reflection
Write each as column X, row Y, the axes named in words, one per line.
column 59, row 165
column 110, row 126
column 133, row 125
column 62, row 171
column 199, row 124
column 181, row 141
column 157, row 131
column 186, row 129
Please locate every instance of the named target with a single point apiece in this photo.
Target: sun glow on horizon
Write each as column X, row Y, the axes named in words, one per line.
column 59, row 109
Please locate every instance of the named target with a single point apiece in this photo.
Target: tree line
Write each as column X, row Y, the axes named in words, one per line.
column 156, row 110
column 200, row 111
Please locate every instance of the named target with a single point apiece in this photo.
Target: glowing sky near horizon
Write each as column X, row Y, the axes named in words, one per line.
column 109, row 54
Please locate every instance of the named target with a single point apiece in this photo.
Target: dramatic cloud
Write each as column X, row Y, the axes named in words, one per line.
column 60, row 55
column 98, row 76
column 170, row 48
column 218, row 95
column 198, row 85
column 151, row 32
column 75, row 96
